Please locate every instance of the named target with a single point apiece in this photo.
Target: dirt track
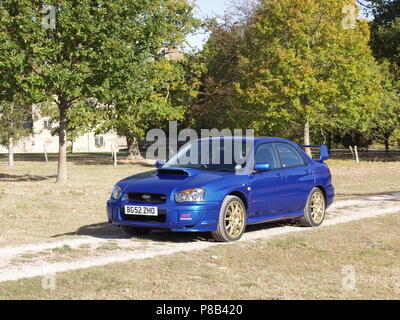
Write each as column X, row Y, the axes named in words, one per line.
column 41, row 259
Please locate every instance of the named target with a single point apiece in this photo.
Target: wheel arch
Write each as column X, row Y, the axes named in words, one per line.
column 241, row 196
column 323, row 191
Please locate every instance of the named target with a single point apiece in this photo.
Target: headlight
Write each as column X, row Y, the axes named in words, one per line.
column 116, row 192
column 190, row 195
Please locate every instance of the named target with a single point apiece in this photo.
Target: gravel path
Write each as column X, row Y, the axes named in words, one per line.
column 41, row 259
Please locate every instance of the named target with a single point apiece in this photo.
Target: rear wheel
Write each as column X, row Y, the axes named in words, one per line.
column 314, row 212
column 232, row 220
column 133, row 231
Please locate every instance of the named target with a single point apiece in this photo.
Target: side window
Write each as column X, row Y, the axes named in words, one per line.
column 266, row 154
column 289, row 156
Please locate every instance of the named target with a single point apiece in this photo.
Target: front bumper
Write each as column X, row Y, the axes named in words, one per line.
column 199, row 217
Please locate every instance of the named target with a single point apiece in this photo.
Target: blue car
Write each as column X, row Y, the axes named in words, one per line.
column 270, row 179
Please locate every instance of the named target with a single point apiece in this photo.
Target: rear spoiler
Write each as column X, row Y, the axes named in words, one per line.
column 323, row 152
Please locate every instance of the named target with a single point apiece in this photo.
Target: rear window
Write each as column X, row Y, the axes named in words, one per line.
column 289, row 156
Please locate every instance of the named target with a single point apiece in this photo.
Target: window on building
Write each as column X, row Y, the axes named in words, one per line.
column 99, row 141
column 47, row 124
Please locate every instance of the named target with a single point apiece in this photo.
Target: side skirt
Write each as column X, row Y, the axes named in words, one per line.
column 285, row 216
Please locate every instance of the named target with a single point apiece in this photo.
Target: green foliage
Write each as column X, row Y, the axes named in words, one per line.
column 105, row 49
column 15, row 122
column 385, row 35
column 287, row 63
column 386, row 30
column 15, row 90
column 386, row 119
column 138, row 82
column 219, row 74
column 301, row 65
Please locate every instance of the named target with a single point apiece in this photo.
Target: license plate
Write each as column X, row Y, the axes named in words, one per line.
column 141, row 210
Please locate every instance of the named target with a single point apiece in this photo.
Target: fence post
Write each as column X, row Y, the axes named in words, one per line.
column 45, row 153
column 114, row 155
column 356, row 152
column 352, row 152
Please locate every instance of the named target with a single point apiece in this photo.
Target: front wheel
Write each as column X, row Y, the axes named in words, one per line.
column 232, row 220
column 133, row 231
column 314, row 212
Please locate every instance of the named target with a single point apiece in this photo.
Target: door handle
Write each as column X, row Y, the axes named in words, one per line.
column 280, row 176
column 308, row 171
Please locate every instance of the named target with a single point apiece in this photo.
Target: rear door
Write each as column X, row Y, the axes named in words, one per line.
column 299, row 177
column 268, row 189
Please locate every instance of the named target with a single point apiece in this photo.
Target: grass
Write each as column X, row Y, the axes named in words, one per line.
column 33, row 209
column 367, row 178
column 306, row 266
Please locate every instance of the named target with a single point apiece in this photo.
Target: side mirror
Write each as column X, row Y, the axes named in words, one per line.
column 159, row 164
column 259, row 167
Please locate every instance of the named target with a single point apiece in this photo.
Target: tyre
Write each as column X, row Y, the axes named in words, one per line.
column 314, row 212
column 133, row 231
column 232, row 220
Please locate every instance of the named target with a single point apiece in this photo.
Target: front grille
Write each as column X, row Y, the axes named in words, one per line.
column 162, row 217
column 146, row 197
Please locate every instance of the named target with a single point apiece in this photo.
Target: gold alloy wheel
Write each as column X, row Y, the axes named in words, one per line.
column 234, row 219
column 317, row 207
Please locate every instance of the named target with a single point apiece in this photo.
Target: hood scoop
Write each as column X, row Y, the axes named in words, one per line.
column 177, row 172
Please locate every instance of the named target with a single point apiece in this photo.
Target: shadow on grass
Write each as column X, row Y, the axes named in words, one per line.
column 98, row 158
column 23, row 178
column 106, row 231
column 356, row 196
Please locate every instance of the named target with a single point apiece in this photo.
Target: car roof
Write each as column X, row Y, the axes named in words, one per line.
column 257, row 140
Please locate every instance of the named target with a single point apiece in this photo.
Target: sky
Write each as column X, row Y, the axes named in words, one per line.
column 204, row 9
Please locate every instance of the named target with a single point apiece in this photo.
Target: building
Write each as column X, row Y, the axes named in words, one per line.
column 41, row 140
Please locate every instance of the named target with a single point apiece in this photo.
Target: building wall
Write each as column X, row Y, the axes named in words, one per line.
column 42, row 138
column 89, row 142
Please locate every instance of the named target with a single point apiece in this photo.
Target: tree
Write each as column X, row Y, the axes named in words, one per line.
column 217, row 93
column 14, row 124
column 133, row 108
column 15, row 76
column 386, row 119
column 140, row 78
column 76, row 38
column 385, row 34
column 304, row 64
column 385, row 30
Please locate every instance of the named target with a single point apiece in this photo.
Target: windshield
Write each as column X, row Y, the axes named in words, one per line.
column 212, row 154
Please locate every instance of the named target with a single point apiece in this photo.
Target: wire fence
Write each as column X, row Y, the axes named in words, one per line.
column 365, row 154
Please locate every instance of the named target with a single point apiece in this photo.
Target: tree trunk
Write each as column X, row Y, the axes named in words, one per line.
column 330, row 140
column 307, row 138
column 62, row 141
column 10, row 152
column 133, row 149
column 387, row 146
